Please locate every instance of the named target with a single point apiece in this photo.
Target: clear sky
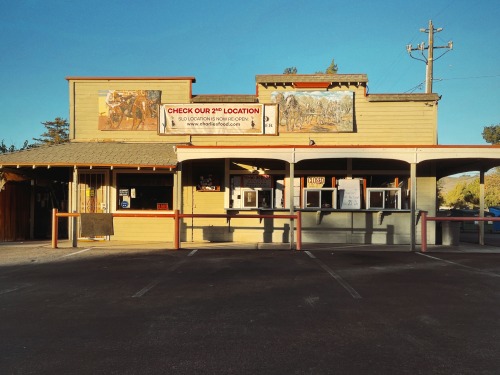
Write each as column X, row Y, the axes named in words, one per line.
column 225, row 43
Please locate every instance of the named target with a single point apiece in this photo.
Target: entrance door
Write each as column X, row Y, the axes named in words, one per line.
column 92, row 192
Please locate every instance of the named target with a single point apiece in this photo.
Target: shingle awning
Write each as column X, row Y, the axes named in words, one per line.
column 94, row 154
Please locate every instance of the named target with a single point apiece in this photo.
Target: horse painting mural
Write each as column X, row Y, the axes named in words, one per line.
column 128, row 109
column 315, row 111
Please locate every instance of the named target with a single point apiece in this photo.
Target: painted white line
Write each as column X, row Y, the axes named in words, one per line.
column 460, row 265
column 311, row 255
column 77, row 252
column 154, row 283
column 192, row 253
column 146, row 289
column 336, row 276
column 5, row 291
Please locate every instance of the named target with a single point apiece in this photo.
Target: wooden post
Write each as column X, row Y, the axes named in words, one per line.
column 177, row 243
column 54, row 228
column 299, row 230
column 423, row 230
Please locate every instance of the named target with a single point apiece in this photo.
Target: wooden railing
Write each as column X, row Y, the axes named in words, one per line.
column 424, row 219
column 177, row 216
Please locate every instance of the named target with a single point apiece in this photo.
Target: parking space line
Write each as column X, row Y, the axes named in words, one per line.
column 147, row 288
column 192, row 253
column 77, row 252
column 5, row 291
column 460, row 265
column 155, row 282
column 336, row 276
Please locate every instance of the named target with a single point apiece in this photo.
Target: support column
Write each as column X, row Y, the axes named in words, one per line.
column 291, row 203
column 413, row 205
column 74, row 208
column 481, row 207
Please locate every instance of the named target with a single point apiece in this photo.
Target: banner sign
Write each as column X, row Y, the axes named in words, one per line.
column 271, row 119
column 211, row 119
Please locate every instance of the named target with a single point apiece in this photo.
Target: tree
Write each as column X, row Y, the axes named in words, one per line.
column 4, row 148
column 491, row 134
column 332, row 69
column 57, row 131
column 290, row 70
column 466, row 194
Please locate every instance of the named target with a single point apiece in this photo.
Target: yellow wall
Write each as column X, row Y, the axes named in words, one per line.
column 397, row 122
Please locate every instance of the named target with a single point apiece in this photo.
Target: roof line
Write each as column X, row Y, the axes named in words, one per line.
column 342, row 146
column 47, row 165
column 78, row 78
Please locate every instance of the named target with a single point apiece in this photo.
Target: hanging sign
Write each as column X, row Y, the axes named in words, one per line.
column 315, row 182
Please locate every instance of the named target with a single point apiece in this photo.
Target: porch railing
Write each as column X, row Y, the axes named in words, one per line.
column 177, row 216
column 424, row 219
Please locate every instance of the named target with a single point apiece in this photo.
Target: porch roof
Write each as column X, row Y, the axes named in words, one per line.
column 94, row 154
column 448, row 159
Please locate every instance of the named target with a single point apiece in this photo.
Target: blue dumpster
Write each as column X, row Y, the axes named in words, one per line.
column 495, row 211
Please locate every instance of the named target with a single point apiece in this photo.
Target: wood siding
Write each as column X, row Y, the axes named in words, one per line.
column 375, row 122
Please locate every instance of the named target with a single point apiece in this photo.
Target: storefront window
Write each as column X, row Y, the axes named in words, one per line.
column 257, row 198
column 144, row 191
column 256, row 191
column 388, row 198
column 320, row 198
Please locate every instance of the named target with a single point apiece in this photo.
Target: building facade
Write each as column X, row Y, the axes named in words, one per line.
column 358, row 166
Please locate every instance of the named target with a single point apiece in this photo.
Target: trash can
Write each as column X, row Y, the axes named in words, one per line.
column 451, row 233
column 496, row 212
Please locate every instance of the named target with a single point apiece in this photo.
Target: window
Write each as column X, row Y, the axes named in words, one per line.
column 320, row 198
column 256, row 191
column 257, row 198
column 383, row 198
column 144, row 191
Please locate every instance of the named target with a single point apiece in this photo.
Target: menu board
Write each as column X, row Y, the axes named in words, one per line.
column 349, row 194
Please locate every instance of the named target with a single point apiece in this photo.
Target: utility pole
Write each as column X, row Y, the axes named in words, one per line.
column 429, row 60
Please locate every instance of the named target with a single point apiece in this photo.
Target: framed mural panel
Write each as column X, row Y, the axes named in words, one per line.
column 315, row 111
column 211, row 119
column 128, row 109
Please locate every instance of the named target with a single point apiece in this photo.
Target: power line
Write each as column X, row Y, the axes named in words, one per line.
column 463, row 78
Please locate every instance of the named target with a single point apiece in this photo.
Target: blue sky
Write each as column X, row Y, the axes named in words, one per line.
column 224, row 44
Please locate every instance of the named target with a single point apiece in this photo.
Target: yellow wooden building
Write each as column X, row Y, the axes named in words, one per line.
column 358, row 166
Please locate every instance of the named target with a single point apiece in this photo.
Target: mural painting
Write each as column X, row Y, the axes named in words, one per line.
column 128, row 109
column 315, row 111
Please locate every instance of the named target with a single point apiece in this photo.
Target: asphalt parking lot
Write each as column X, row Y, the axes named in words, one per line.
column 215, row 311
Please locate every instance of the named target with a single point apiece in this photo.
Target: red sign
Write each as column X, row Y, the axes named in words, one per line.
column 162, row 206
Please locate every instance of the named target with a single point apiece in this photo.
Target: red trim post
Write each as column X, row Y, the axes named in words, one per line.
column 177, row 242
column 423, row 230
column 54, row 228
column 299, row 230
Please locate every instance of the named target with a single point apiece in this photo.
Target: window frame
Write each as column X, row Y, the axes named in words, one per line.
column 320, row 191
column 384, row 198
column 115, row 191
column 257, row 191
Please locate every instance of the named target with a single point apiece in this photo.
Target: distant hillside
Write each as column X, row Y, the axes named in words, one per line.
column 448, row 183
